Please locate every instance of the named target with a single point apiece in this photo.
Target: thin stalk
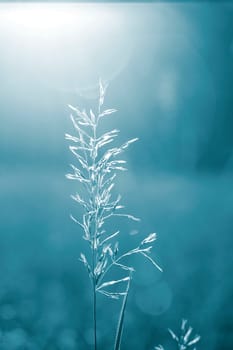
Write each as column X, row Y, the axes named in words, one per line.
column 94, row 314
column 120, row 324
column 94, row 248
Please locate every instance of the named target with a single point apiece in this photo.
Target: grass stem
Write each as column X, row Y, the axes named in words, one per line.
column 94, row 318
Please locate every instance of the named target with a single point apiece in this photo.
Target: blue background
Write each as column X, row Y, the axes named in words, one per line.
column 170, row 71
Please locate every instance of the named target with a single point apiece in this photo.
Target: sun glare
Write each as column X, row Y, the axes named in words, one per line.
column 40, row 18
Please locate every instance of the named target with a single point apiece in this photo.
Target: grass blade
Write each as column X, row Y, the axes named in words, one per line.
column 120, row 325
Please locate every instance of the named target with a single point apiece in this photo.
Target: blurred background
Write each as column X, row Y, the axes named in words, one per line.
column 170, row 70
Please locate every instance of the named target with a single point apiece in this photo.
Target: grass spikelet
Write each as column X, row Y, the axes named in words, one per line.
column 183, row 341
column 96, row 172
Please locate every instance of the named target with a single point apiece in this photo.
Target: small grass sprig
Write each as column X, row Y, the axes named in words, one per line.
column 96, row 171
column 183, row 341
